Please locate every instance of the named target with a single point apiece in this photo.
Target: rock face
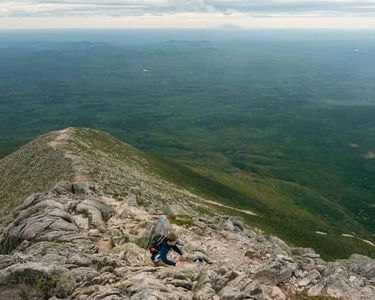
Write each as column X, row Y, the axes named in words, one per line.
column 86, row 239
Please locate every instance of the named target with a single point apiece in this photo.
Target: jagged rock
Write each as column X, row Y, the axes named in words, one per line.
column 203, row 289
column 40, row 220
column 237, row 221
column 133, row 255
column 105, row 278
column 311, row 276
column 84, row 273
column 347, row 279
column 97, row 212
column 119, row 238
column 275, row 271
column 360, row 265
column 242, row 282
column 48, row 279
column 79, row 254
column 84, row 188
column 223, row 223
column 108, row 295
column 6, row 261
column 144, row 286
column 186, row 284
column 278, row 246
column 199, row 257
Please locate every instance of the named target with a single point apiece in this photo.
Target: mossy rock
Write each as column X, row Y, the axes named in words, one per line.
column 52, row 280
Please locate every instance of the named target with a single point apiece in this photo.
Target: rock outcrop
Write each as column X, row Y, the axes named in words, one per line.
column 86, row 239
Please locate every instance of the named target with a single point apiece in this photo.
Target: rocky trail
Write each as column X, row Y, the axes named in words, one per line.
column 84, row 238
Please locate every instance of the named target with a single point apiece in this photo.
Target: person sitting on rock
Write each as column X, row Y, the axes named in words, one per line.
column 161, row 248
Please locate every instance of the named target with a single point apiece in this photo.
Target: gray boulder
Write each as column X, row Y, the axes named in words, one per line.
column 361, row 265
column 39, row 219
column 49, row 280
column 275, row 271
column 97, row 212
column 175, row 210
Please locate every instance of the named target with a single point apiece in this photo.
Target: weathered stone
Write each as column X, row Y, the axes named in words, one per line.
column 237, row 221
column 133, row 255
column 175, row 210
column 229, row 293
column 275, row 272
column 84, row 274
column 97, row 212
column 49, row 279
column 277, row 294
column 143, row 286
column 361, row 265
column 41, row 220
column 199, row 257
column 84, row 188
column 311, row 276
column 186, row 284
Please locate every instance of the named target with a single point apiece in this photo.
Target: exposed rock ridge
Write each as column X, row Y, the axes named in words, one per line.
column 82, row 238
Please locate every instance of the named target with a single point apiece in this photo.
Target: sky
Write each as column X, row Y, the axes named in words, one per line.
column 244, row 14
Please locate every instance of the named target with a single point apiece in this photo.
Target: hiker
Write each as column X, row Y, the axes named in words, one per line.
column 160, row 248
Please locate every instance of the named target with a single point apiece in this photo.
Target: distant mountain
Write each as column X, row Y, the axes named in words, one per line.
column 79, row 206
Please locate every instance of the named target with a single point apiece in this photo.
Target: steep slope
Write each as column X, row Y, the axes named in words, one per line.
column 34, row 167
column 81, row 235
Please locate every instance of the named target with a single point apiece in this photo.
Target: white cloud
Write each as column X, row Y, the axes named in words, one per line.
column 34, row 8
column 202, row 13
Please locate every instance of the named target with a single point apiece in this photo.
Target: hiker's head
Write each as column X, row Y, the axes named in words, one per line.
column 171, row 239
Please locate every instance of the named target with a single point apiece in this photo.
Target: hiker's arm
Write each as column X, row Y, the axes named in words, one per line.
column 176, row 249
column 163, row 256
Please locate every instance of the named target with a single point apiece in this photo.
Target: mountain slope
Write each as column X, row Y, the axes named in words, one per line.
column 80, row 236
column 90, row 155
column 34, row 167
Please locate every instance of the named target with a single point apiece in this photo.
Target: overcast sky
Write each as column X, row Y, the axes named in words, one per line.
column 186, row 13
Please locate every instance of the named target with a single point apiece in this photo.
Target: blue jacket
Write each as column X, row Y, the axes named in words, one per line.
column 163, row 250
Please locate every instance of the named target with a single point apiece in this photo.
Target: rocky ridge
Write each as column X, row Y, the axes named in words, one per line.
column 81, row 235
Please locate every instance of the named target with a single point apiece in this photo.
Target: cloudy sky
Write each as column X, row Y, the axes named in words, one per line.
column 187, row 14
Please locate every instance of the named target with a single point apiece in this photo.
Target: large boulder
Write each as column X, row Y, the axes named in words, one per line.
column 38, row 219
column 348, row 279
column 275, row 271
column 96, row 211
column 360, row 265
column 49, row 280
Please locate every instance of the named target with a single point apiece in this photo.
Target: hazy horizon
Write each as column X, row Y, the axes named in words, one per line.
column 250, row 14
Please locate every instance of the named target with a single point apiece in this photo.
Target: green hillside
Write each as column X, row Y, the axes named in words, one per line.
column 279, row 123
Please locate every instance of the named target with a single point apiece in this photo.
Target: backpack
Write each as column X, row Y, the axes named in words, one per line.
column 160, row 227
column 156, row 242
